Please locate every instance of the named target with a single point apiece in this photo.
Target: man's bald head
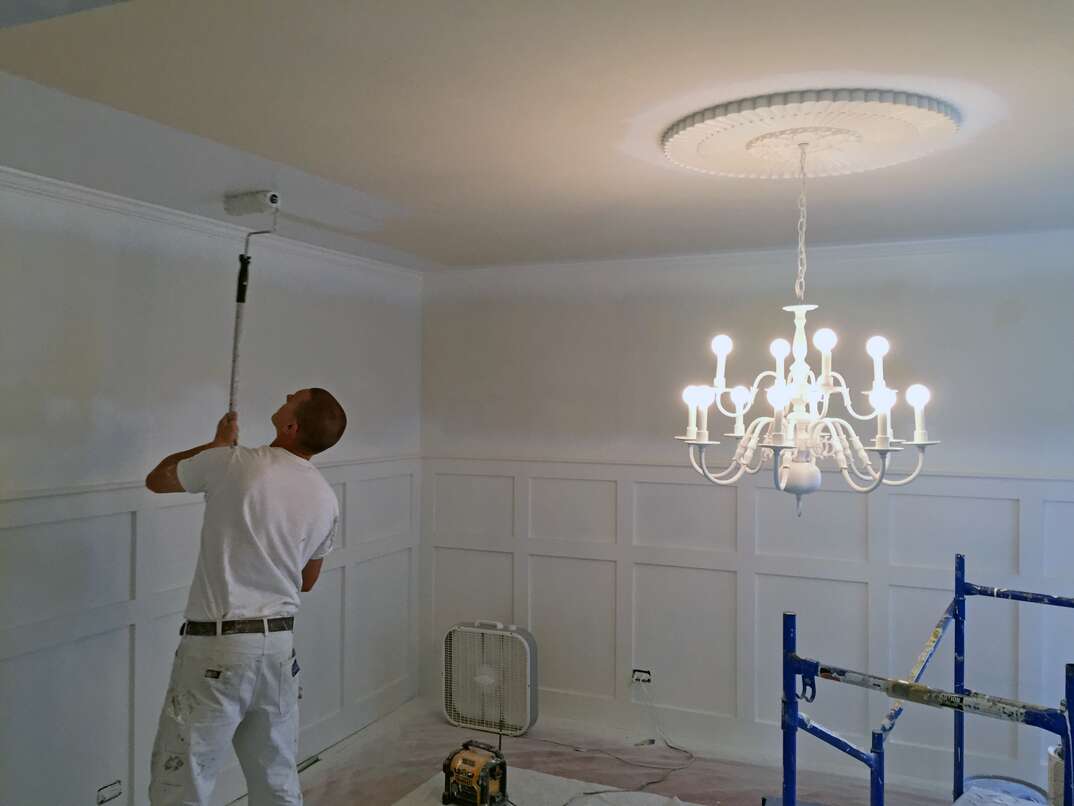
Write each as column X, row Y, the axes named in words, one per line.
column 321, row 421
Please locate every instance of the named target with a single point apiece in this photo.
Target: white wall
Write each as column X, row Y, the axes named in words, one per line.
column 587, row 361
column 116, row 340
column 555, row 497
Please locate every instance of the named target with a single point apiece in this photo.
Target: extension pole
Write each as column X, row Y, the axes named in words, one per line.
column 240, row 303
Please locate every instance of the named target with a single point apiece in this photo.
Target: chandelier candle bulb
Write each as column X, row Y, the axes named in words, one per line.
column 721, row 346
column 918, row 396
column 777, row 397
column 780, row 349
column 877, row 347
column 824, row 340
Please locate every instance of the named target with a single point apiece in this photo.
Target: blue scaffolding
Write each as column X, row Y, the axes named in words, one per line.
column 961, row 700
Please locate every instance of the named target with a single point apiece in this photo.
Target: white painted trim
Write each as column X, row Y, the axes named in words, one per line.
column 12, row 179
column 684, row 464
column 1062, row 240
column 137, row 606
column 764, row 563
column 116, row 486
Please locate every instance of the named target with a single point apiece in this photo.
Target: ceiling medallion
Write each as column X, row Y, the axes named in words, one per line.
column 849, row 131
column 834, row 131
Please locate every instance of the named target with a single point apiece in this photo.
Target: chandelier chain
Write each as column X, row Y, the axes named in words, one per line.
column 799, row 283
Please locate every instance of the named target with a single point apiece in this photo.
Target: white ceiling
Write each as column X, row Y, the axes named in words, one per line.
column 480, row 132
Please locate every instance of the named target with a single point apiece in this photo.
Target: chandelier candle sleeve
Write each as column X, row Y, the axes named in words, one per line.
column 705, row 397
column 777, row 398
column 688, row 397
column 740, row 396
column 780, row 349
column 882, row 400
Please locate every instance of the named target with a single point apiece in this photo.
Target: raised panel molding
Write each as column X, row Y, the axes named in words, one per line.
column 572, row 509
column 927, row 530
column 52, row 569
column 572, row 616
column 693, row 659
column 472, row 584
column 1058, row 541
column 92, row 650
column 686, row 515
column 833, row 525
column 69, row 702
column 695, row 584
column 380, row 507
column 473, row 505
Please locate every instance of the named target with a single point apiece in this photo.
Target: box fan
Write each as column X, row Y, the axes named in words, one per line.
column 490, row 677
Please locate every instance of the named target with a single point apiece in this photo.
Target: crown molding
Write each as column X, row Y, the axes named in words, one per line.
column 1062, row 241
column 12, row 179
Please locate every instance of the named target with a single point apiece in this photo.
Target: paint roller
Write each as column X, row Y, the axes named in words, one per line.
column 240, row 204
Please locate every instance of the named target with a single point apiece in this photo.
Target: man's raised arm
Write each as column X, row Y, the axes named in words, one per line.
column 164, row 478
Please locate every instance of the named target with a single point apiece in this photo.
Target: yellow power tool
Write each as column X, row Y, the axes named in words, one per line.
column 475, row 775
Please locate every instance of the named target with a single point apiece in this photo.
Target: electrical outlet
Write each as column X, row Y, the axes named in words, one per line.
column 641, row 676
column 109, row 792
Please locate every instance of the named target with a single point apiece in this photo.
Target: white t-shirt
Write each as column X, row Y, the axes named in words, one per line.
column 267, row 513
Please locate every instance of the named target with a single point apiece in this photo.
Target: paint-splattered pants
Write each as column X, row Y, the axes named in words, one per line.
column 230, row 690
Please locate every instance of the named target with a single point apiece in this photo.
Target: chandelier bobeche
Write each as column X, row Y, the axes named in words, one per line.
column 804, row 429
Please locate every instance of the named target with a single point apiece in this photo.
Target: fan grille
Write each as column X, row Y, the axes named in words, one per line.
column 486, row 684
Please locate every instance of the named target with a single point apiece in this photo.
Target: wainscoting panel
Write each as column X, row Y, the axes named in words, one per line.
column 93, row 584
column 474, row 505
column 66, row 549
column 572, row 613
column 84, row 720
column 694, row 584
column 472, row 584
column 685, row 515
column 696, row 657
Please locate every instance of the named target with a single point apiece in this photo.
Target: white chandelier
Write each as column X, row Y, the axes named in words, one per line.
column 801, row 428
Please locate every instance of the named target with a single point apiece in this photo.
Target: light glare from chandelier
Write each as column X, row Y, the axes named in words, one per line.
column 802, row 431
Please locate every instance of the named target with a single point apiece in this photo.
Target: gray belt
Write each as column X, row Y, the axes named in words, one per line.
column 246, row 625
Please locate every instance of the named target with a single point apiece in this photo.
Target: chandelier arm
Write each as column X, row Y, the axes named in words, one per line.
column 914, row 474
column 757, row 383
column 732, row 468
column 722, row 478
column 854, row 457
column 844, row 454
column 844, row 390
column 702, row 468
column 693, row 461
column 876, row 483
column 760, row 463
column 719, row 405
column 778, row 481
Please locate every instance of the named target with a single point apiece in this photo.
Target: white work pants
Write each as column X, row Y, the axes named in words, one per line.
column 238, row 689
